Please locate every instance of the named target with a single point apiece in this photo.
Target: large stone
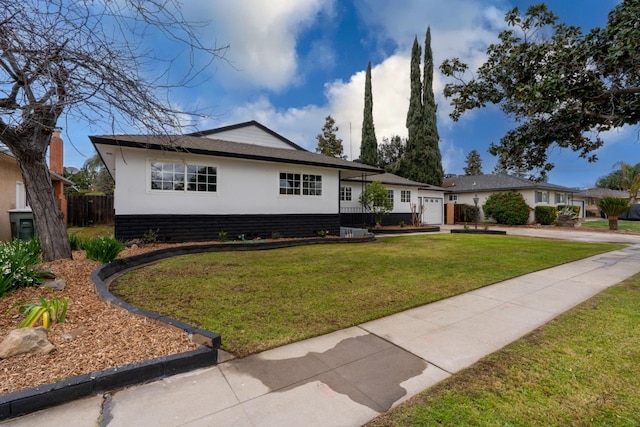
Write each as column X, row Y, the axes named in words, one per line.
column 25, row 340
column 57, row 284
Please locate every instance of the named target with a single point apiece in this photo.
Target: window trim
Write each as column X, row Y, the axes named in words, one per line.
column 304, row 184
column 346, row 194
column 405, row 196
column 184, row 183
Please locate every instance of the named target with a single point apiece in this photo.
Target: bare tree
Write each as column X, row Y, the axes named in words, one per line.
column 88, row 60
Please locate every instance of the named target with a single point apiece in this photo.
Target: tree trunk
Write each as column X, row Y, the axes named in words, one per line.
column 47, row 216
column 613, row 223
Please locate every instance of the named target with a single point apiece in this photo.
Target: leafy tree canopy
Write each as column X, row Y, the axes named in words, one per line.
column 561, row 86
column 328, row 143
column 625, row 178
column 391, row 152
column 375, row 198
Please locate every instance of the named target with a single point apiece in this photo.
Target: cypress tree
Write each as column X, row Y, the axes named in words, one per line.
column 414, row 117
column 434, row 173
column 368, row 143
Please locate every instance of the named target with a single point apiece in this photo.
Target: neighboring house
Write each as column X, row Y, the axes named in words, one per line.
column 408, row 197
column 461, row 189
column 243, row 179
column 13, row 197
column 591, row 196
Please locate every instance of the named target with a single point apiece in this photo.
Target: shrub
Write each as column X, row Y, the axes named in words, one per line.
column 103, row 249
column 18, row 261
column 546, row 215
column 507, row 208
column 469, row 213
column 150, row 237
column 222, row 236
column 76, row 242
column 575, row 209
column 613, row 207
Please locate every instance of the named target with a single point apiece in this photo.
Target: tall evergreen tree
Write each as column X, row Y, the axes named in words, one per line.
column 474, row 163
column 328, row 143
column 368, row 143
column 433, row 162
column 423, row 161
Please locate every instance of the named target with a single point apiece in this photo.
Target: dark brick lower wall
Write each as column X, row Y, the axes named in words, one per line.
column 194, row 228
column 368, row 220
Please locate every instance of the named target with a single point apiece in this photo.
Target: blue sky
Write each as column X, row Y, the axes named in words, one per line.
column 292, row 63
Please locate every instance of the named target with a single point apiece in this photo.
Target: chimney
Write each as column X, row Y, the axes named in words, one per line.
column 56, row 156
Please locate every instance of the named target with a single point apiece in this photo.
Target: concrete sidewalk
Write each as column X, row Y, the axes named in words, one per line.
column 349, row 377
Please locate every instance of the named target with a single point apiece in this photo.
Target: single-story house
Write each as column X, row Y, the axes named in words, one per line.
column 14, row 208
column 461, row 189
column 409, row 198
column 591, row 196
column 243, row 180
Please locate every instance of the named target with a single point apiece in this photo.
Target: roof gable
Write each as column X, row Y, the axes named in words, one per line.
column 250, row 133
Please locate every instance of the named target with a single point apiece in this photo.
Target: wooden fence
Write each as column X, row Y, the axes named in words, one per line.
column 83, row 211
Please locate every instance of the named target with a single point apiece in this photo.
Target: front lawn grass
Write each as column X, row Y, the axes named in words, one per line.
column 263, row 299
column 88, row 233
column 581, row 369
column 603, row 224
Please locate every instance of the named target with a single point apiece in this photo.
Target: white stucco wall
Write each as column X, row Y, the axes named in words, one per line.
column 243, row 187
column 251, row 135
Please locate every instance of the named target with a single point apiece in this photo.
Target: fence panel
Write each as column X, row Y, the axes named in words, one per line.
column 84, row 211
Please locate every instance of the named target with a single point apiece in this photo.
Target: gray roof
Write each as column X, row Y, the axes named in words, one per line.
column 599, row 193
column 391, row 179
column 496, row 182
column 217, row 147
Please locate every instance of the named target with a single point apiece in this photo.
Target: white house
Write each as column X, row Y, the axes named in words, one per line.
column 462, row 189
column 409, row 198
column 243, row 179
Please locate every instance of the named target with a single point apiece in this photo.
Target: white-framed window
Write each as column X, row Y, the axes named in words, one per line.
column 542, row 197
column 390, row 196
column 167, row 176
column 405, row 196
column 21, row 196
column 296, row 184
column 560, row 198
column 453, row 197
column 345, row 193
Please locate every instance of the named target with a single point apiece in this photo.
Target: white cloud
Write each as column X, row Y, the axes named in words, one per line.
column 262, row 38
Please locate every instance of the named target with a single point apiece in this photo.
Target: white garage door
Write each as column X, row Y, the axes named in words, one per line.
column 433, row 210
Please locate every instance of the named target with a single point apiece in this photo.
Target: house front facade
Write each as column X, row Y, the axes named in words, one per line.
column 253, row 183
column 411, row 201
column 462, row 189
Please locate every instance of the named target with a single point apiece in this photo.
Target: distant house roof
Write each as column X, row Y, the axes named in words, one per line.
column 391, row 179
column 599, row 193
column 215, row 147
column 245, row 125
column 496, row 182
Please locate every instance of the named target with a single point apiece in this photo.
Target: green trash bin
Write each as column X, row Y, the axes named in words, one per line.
column 22, row 226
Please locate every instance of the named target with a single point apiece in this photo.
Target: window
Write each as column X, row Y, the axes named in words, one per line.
column 405, row 196
column 542, row 197
column 390, row 196
column 561, row 198
column 172, row 177
column 312, row 185
column 291, row 184
column 453, row 197
column 345, row 193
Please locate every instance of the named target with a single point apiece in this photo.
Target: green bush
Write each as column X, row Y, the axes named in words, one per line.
column 76, row 242
column 507, row 208
column 469, row 213
column 103, row 249
column 546, row 215
column 575, row 209
column 18, row 261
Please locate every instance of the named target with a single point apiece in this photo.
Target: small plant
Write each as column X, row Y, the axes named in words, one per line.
column 466, row 227
column 323, row 233
column 402, row 224
column 275, row 235
column 568, row 212
column 18, row 261
column 613, row 207
column 76, row 242
column 150, row 237
column 222, row 236
column 44, row 310
column 103, row 249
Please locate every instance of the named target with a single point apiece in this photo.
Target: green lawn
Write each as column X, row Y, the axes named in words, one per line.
column 263, row 299
column 88, row 233
column 581, row 369
column 603, row 224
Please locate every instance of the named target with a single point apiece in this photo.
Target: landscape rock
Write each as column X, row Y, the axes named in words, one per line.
column 25, row 340
column 56, row 285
